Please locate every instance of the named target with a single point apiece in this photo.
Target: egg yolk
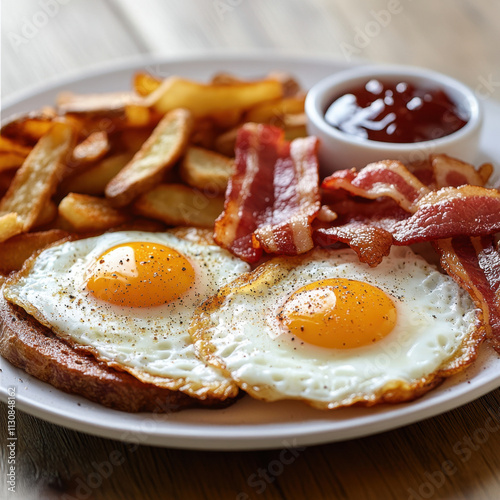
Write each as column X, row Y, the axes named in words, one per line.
column 339, row 313
column 140, row 274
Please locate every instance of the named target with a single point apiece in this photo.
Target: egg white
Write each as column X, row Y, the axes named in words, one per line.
column 436, row 330
column 151, row 343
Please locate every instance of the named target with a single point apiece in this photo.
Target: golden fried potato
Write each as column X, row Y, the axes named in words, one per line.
column 204, row 133
column 92, row 148
column 204, row 169
column 179, row 205
column 94, row 179
column 274, row 111
column 225, row 79
column 207, row 99
column 47, row 215
column 225, row 143
column 29, row 127
column 109, row 112
column 37, row 179
column 132, row 139
column 289, row 85
column 16, row 250
column 159, row 153
column 10, row 160
column 10, row 146
column 226, row 119
column 6, row 177
column 10, row 225
column 68, row 102
column 139, row 116
column 144, row 83
column 83, row 213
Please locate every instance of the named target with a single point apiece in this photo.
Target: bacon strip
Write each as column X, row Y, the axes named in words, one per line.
column 371, row 243
column 474, row 263
column 272, row 196
column 452, row 172
column 428, row 215
column 450, row 212
column 383, row 178
column 365, row 226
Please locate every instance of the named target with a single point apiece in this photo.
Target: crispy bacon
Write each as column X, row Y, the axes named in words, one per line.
column 371, row 243
column 383, row 178
column 450, row 172
column 445, row 213
column 272, row 196
column 450, row 212
column 423, row 171
column 365, row 226
column 428, row 215
column 441, row 170
column 474, row 263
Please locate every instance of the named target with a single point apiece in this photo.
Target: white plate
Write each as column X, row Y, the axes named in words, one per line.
column 248, row 424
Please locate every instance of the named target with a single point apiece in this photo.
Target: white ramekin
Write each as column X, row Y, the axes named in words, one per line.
column 339, row 150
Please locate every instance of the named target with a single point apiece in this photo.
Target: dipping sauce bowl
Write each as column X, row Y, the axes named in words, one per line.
column 352, row 146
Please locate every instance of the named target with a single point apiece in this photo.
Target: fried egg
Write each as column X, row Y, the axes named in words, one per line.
column 329, row 330
column 128, row 297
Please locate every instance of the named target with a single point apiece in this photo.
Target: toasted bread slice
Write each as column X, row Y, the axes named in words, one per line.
column 34, row 348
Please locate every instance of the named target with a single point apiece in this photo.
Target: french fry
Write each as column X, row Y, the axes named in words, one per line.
column 289, row 85
column 225, row 143
column 70, row 103
column 37, row 179
column 83, row 213
column 225, row 79
column 10, row 225
column 204, row 133
column 133, row 138
column 109, row 112
column 15, row 251
column 92, row 148
column 139, row 116
column 273, row 111
column 226, row 119
column 94, row 179
column 179, row 205
column 29, row 127
column 5, row 180
column 10, row 160
column 9, row 146
column 204, row 169
column 47, row 215
column 12, row 154
column 159, row 153
column 207, row 99
column 144, row 83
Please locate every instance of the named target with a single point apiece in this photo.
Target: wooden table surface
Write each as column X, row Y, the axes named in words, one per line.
column 455, row 455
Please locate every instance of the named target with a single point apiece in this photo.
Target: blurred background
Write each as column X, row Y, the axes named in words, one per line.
column 42, row 39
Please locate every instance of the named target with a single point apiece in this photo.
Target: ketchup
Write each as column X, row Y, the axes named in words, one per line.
column 395, row 112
